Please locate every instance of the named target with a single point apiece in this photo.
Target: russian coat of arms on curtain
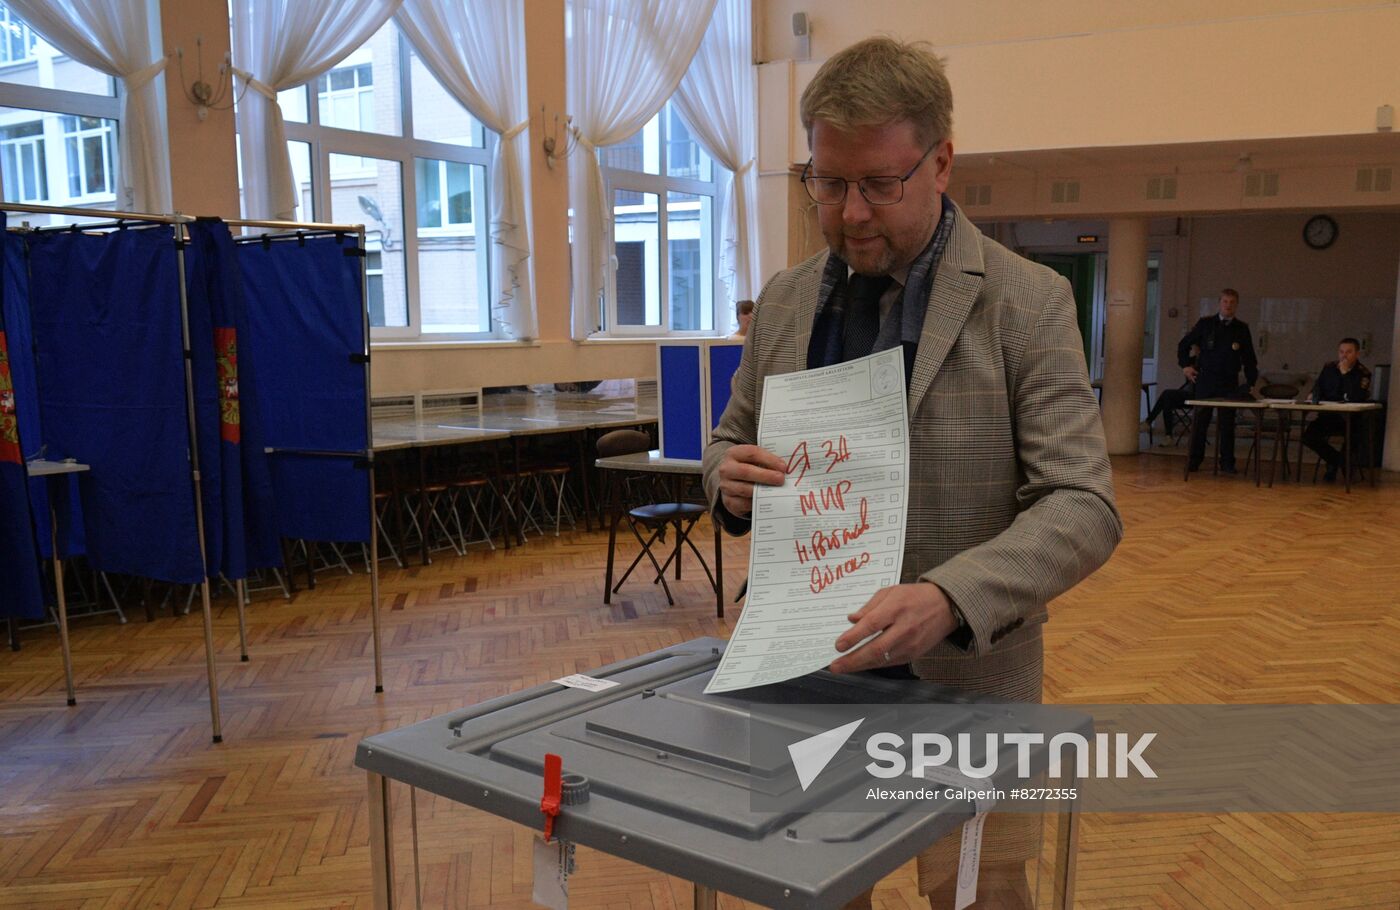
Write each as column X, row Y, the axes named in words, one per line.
column 9, row 421
column 226, row 357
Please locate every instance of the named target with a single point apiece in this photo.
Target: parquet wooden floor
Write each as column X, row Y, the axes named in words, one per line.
column 1219, row 593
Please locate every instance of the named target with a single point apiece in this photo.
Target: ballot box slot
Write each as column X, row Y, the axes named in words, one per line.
column 483, row 725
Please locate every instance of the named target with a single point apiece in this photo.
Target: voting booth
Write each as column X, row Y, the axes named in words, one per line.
column 652, row 770
column 153, row 366
column 692, row 381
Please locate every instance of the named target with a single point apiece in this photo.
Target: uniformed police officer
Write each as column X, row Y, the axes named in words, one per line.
column 1225, row 348
column 1343, row 379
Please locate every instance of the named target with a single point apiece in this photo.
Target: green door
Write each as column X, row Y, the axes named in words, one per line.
column 1079, row 269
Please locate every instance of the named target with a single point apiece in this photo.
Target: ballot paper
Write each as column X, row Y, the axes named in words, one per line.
column 833, row 533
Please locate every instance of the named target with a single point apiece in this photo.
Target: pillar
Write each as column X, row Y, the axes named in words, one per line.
column 549, row 185
column 1126, row 305
column 203, row 158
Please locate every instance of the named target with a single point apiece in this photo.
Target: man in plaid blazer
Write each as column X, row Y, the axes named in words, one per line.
column 1010, row 494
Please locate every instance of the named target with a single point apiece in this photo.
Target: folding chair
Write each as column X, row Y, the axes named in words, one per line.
column 655, row 517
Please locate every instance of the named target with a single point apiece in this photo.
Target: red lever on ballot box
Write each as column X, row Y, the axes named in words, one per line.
column 549, row 803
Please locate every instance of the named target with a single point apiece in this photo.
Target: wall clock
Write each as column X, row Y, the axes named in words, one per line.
column 1320, row 232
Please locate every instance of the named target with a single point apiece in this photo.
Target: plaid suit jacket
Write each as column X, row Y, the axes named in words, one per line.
column 1010, row 493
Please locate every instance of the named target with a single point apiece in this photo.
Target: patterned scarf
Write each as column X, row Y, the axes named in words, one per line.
column 905, row 321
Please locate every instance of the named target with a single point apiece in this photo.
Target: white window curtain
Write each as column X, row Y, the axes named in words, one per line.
column 118, row 37
column 477, row 51
column 625, row 59
column 716, row 97
column 278, row 44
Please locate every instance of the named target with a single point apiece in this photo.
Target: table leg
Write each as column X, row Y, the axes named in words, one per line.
column 676, row 495
column 1371, row 445
column 1216, row 415
column 1278, row 440
column 517, row 495
column 583, row 479
column 420, row 508
column 413, row 826
column 62, row 604
column 1302, row 429
column 381, row 843
column 706, row 898
column 1259, row 454
column 719, row 569
column 1066, row 846
column 1346, row 448
column 611, row 496
column 240, row 592
column 506, row 526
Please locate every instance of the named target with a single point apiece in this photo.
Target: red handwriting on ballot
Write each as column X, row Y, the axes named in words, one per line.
column 824, row 543
column 821, row 501
column 833, row 450
column 826, row 499
column 825, row 575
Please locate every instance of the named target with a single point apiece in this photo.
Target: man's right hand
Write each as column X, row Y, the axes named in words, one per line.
column 740, row 469
column 1190, row 372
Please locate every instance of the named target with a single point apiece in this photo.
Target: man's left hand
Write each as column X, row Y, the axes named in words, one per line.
column 911, row 619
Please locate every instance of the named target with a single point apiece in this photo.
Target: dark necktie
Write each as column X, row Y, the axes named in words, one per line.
column 863, row 294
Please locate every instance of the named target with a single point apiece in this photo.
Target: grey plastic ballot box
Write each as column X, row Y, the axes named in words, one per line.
column 670, row 781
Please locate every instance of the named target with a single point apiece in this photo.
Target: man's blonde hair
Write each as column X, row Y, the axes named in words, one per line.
column 879, row 81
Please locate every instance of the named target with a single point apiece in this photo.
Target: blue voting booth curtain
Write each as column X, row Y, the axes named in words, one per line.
column 724, row 363
column 15, row 290
column 682, row 432
column 21, row 591
column 240, row 508
column 111, row 380
column 305, row 319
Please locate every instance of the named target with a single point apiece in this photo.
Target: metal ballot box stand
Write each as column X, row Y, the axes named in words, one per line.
column 668, row 780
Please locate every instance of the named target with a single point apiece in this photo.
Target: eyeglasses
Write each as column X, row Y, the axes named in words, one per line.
column 876, row 190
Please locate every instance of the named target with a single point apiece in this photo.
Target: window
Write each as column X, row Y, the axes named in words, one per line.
column 382, row 144
column 58, row 125
column 17, row 41
column 664, row 257
column 346, row 97
column 88, row 144
column 444, row 193
column 22, row 156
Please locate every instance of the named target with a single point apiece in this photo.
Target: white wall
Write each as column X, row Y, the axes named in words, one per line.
column 1042, row 75
column 1298, row 300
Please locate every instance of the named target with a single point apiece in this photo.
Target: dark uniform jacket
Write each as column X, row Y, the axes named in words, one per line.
column 1334, row 385
column 1225, row 349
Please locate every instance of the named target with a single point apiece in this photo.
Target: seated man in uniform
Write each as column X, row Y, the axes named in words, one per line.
column 1171, row 401
column 1343, row 379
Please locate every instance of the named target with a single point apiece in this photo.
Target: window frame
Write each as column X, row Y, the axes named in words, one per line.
column 81, row 135
column 402, row 149
column 49, row 104
column 28, row 37
column 659, row 184
column 15, row 146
